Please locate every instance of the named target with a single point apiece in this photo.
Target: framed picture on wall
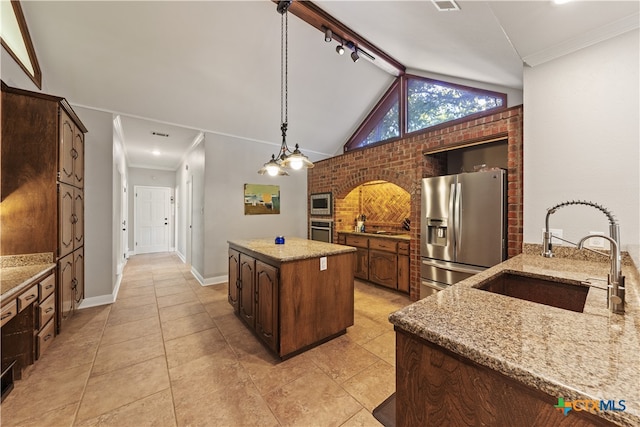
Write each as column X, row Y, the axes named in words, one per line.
column 260, row 199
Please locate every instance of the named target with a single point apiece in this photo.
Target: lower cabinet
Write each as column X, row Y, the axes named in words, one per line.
column 362, row 264
column 383, row 268
column 234, row 278
column 71, row 282
column 247, row 290
column 267, row 304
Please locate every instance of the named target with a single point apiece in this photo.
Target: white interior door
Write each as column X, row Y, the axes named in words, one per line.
column 189, row 218
column 152, row 219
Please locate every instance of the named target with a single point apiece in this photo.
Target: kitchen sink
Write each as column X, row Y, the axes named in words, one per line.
column 539, row 290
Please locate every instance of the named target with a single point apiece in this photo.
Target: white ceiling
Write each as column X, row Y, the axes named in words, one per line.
column 214, row 65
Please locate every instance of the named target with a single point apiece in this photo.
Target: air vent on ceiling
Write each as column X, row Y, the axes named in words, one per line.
column 446, row 5
column 166, row 135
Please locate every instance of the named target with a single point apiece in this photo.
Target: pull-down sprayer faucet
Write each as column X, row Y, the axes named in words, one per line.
column 616, row 290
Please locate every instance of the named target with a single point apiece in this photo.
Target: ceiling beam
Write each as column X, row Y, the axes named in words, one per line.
column 321, row 20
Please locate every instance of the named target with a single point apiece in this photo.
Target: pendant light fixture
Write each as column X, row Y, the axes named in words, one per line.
column 286, row 159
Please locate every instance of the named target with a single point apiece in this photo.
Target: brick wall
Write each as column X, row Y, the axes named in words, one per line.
column 404, row 164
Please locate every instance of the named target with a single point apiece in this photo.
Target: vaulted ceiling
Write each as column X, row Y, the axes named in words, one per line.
column 214, row 66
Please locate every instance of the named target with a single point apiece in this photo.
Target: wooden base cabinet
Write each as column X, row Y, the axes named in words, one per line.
column 292, row 305
column 71, row 283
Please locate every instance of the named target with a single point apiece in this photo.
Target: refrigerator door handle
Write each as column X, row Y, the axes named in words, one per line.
column 457, row 267
column 453, row 239
column 457, row 222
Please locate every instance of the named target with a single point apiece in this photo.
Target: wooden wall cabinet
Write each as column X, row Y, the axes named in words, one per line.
column 42, row 187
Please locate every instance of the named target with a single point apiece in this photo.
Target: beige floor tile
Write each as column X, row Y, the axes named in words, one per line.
column 312, row 400
column 67, row 354
column 268, row 372
column 178, row 298
column 105, row 393
column 383, row 346
column 40, row 394
column 152, row 411
column 170, row 280
column 364, row 329
column 121, row 315
column 218, row 308
column 373, row 385
column 123, row 354
column 173, row 289
column 208, row 373
column 188, row 325
column 130, row 292
column 87, row 324
column 184, row 349
column 363, row 418
column 121, row 332
column 135, row 282
column 229, row 323
column 342, row 358
column 245, row 343
column 135, row 301
column 181, row 310
column 63, row 416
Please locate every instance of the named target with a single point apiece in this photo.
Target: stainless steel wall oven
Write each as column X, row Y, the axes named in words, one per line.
column 321, row 230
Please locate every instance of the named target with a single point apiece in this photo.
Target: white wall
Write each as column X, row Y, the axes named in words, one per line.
column 150, row 178
column 582, row 141
column 100, row 232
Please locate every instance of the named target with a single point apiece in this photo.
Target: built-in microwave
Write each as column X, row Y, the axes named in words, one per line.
column 321, row 204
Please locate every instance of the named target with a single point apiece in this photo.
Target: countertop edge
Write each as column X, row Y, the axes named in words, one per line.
column 46, row 269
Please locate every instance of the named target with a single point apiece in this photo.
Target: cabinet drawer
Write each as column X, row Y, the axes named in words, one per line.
column 28, row 297
column 45, row 338
column 9, row 311
column 47, row 286
column 403, row 248
column 357, row 241
column 383, row 245
column 46, row 310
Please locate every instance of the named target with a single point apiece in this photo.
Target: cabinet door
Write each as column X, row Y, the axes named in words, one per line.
column 234, row 278
column 247, row 289
column 78, row 218
column 403, row 273
column 78, row 277
column 383, row 268
column 66, row 202
column 66, row 153
column 78, row 154
column 267, row 304
column 65, row 281
column 362, row 264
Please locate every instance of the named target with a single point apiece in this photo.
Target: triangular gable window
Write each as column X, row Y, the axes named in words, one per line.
column 426, row 103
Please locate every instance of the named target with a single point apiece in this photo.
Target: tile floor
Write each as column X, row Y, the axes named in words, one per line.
column 170, row 352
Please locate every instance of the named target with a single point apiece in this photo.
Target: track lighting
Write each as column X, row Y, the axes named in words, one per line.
column 328, row 35
column 354, row 55
column 340, row 49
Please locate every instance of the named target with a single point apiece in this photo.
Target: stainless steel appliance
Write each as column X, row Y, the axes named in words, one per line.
column 321, row 230
column 321, row 204
column 463, row 227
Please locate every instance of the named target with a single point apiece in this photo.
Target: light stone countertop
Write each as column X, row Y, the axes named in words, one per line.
column 18, row 271
column 294, row 248
column 590, row 355
column 394, row 236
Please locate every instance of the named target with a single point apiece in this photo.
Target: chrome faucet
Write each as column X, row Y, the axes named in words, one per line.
column 547, row 237
column 615, row 285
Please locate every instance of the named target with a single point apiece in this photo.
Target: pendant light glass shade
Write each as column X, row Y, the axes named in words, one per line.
column 286, row 158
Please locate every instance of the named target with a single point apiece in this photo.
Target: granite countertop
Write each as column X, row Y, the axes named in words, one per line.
column 19, row 271
column 589, row 355
column 382, row 235
column 294, row 248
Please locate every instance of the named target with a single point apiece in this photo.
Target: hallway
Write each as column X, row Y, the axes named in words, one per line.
column 170, row 352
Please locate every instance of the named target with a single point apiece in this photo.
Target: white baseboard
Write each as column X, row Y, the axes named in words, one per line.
column 210, row 280
column 102, row 299
column 182, row 257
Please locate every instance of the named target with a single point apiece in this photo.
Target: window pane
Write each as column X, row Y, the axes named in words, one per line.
column 430, row 103
column 387, row 127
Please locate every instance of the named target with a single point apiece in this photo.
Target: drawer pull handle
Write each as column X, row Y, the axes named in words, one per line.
column 9, row 314
column 49, row 286
column 30, row 297
column 48, row 310
column 47, row 337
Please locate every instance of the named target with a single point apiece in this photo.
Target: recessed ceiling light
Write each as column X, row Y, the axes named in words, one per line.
column 155, row 152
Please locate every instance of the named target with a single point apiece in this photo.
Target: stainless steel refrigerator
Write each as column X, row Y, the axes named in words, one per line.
column 463, row 227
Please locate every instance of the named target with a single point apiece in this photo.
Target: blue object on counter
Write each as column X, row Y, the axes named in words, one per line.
column 280, row 240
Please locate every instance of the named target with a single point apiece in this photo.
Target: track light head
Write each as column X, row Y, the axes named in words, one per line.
column 355, row 56
column 340, row 49
column 328, row 35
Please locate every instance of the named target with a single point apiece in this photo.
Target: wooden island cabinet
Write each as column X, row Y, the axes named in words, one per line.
column 292, row 296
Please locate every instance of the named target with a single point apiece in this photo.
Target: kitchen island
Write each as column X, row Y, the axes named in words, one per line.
column 466, row 356
column 293, row 295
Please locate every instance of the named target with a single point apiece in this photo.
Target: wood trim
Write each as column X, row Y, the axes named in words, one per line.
column 319, row 19
column 470, row 143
